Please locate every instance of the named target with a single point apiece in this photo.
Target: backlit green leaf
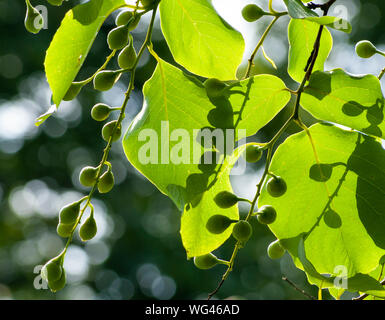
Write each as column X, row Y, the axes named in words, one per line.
column 200, row 40
column 332, row 22
column 353, row 101
column 177, row 105
column 335, row 201
column 302, row 35
column 297, row 10
column 72, row 42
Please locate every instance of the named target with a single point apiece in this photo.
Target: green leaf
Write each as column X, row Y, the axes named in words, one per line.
column 200, row 40
column 72, row 42
column 332, row 22
column 359, row 282
column 302, row 35
column 178, row 104
column 297, row 10
column 40, row 120
column 353, row 101
column 335, row 200
column 196, row 239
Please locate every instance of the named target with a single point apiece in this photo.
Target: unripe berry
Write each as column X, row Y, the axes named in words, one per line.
column 33, row 19
column 214, row 87
column 226, row 199
column 375, row 115
column 252, row 12
column 127, row 57
column 106, row 182
column 88, row 229
column 73, row 91
column 242, row 231
column 276, row 186
column 218, row 223
column 117, row 38
column 55, row 2
column 69, row 214
column 64, row 230
column 58, row 284
column 53, row 269
column 321, row 172
column 133, row 23
column 123, row 18
column 253, row 153
column 275, row 250
column 105, row 80
column 108, row 129
column 206, row 261
column 88, row 175
column 222, row 118
column 266, row 214
column 365, row 49
column 100, row 111
column 147, row 3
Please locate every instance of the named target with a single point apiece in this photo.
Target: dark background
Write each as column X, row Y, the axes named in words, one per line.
column 138, row 252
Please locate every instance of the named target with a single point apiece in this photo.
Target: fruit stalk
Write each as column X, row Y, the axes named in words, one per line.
column 260, row 42
column 107, row 149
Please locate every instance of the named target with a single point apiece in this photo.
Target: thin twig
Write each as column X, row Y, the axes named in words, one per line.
column 381, row 74
column 363, row 296
column 284, row 278
column 260, row 43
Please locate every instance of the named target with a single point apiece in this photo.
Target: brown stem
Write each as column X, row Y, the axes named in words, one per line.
column 365, row 295
column 284, row 278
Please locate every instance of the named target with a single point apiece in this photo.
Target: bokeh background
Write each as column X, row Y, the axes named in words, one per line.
column 137, row 253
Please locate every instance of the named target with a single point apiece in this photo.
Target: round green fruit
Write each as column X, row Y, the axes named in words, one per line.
column 109, row 128
column 58, row 284
column 147, row 3
column 64, row 230
column 88, row 175
column 225, row 199
column 100, row 111
column 105, row 80
column 242, row 231
column 365, row 49
column 73, row 91
column 253, row 153
column 275, row 250
column 88, row 229
column 252, row 13
column 55, row 2
column 134, row 23
column 118, row 38
column 106, row 182
column 123, row 18
column 276, row 186
column 214, row 87
column 69, row 214
column 33, row 21
column 206, row 261
column 127, row 57
column 218, row 223
column 266, row 214
column 53, row 269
